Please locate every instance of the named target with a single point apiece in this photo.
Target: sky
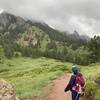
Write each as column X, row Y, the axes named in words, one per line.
column 65, row 15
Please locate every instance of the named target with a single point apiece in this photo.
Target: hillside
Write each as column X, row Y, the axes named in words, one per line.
column 10, row 23
column 34, row 39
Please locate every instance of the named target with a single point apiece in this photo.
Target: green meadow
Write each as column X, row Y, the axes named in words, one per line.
column 29, row 76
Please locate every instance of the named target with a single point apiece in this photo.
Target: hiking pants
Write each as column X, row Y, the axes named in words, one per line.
column 75, row 95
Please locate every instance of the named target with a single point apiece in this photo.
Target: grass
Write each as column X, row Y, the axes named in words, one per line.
column 29, row 76
column 91, row 72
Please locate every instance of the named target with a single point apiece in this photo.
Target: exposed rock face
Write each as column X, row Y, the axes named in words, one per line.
column 9, row 21
column 7, row 91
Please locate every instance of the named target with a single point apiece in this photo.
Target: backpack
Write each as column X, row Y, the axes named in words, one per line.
column 79, row 83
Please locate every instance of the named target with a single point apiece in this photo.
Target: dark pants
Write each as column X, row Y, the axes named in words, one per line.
column 75, row 95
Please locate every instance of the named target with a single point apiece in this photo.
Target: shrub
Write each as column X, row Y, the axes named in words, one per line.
column 91, row 88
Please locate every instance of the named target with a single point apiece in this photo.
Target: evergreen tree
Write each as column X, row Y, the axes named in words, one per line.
column 9, row 51
column 94, row 47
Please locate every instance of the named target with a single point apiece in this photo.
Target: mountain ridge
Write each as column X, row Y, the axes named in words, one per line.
column 10, row 21
column 33, row 39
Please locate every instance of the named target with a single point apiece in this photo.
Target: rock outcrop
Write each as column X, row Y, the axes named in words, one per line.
column 7, row 91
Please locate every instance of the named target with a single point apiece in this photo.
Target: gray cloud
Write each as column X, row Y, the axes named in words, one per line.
column 67, row 15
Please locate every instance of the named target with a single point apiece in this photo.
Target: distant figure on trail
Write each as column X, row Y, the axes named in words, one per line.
column 76, row 84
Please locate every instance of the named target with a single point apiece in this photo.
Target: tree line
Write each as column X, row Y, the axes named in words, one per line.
column 84, row 55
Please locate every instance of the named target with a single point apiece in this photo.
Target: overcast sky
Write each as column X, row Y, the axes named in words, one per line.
column 65, row 15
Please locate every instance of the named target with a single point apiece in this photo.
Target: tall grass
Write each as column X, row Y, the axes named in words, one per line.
column 91, row 72
column 30, row 76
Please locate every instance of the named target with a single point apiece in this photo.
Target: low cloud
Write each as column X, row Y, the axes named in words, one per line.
column 65, row 15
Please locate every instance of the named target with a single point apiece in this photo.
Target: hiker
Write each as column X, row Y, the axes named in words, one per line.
column 76, row 84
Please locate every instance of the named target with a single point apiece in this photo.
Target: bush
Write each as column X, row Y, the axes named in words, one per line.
column 9, row 51
column 17, row 54
column 91, row 88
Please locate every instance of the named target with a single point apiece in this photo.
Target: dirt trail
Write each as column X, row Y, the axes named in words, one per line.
column 57, row 91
